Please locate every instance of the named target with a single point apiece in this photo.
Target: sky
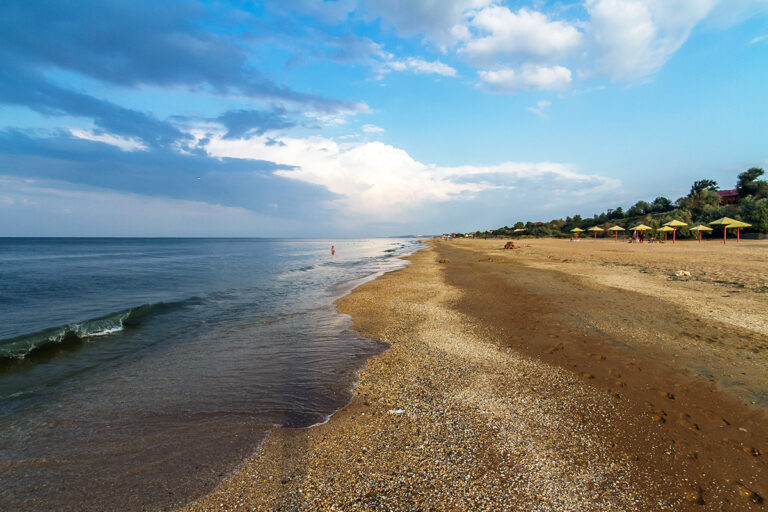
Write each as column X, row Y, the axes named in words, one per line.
column 354, row 118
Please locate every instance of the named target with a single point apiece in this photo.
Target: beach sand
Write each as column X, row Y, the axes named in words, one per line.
column 557, row 376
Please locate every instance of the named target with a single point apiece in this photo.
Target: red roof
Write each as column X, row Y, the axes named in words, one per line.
column 728, row 193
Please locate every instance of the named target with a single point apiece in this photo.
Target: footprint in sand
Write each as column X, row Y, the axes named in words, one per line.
column 716, row 418
column 686, row 421
column 554, row 348
column 695, row 495
column 744, row 491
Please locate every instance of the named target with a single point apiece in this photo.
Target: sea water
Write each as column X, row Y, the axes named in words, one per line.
column 136, row 373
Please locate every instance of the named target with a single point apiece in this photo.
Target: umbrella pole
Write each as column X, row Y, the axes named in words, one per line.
column 738, row 235
column 699, row 236
column 725, row 234
column 674, row 232
column 665, row 236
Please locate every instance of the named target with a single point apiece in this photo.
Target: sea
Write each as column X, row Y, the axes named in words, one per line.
column 136, row 374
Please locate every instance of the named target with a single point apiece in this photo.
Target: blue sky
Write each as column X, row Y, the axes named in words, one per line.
column 367, row 117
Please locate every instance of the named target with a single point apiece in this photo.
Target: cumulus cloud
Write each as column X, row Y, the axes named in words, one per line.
column 421, row 66
column 528, row 77
column 634, row 38
column 499, row 34
column 439, row 21
column 383, row 183
column 619, row 39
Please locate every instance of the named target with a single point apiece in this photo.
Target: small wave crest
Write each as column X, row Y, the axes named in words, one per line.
column 49, row 341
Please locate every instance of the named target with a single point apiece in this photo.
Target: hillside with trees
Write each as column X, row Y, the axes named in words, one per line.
column 702, row 205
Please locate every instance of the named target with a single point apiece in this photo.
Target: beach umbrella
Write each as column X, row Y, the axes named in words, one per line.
column 738, row 225
column 595, row 229
column 674, row 224
column 616, row 230
column 518, row 230
column 666, row 229
column 577, row 231
column 725, row 222
column 701, row 228
column 640, row 227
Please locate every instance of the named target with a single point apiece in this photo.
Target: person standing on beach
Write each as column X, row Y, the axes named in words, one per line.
column 333, row 250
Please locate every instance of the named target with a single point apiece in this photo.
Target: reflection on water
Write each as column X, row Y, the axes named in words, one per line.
column 158, row 411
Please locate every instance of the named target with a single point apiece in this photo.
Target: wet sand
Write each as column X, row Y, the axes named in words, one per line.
column 519, row 381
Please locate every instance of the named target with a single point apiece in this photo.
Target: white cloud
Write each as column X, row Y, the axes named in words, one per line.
column 619, row 39
column 372, row 128
column 123, row 143
column 759, row 39
column 420, row 66
column 540, row 108
column 339, row 116
column 634, row 38
column 439, row 21
column 499, row 34
column 380, row 182
column 528, row 77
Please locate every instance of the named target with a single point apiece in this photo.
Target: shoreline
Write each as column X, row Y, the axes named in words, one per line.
column 487, row 422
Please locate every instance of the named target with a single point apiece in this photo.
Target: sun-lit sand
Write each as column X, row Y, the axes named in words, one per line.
column 557, row 376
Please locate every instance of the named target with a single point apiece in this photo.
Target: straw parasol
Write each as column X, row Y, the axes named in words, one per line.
column 616, row 230
column 577, row 231
column 674, row 224
column 666, row 229
column 595, row 229
column 640, row 227
column 701, row 228
column 518, row 230
column 725, row 222
column 738, row 225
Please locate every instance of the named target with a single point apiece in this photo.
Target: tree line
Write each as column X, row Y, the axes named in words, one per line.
column 702, row 205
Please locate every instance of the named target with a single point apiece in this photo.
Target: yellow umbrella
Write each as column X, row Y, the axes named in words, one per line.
column 701, row 228
column 725, row 221
column 595, row 229
column 674, row 224
column 665, row 229
column 738, row 225
column 640, row 227
column 577, row 231
column 616, row 230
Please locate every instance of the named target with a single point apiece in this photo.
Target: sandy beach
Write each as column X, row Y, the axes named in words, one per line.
column 558, row 376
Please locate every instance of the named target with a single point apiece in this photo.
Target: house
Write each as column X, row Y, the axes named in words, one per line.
column 728, row 196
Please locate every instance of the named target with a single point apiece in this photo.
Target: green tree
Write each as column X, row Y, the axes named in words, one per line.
column 661, row 204
column 755, row 212
column 639, row 208
column 700, row 200
column 703, row 185
column 749, row 185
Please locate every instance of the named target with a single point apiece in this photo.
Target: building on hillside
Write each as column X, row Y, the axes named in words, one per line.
column 728, row 196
